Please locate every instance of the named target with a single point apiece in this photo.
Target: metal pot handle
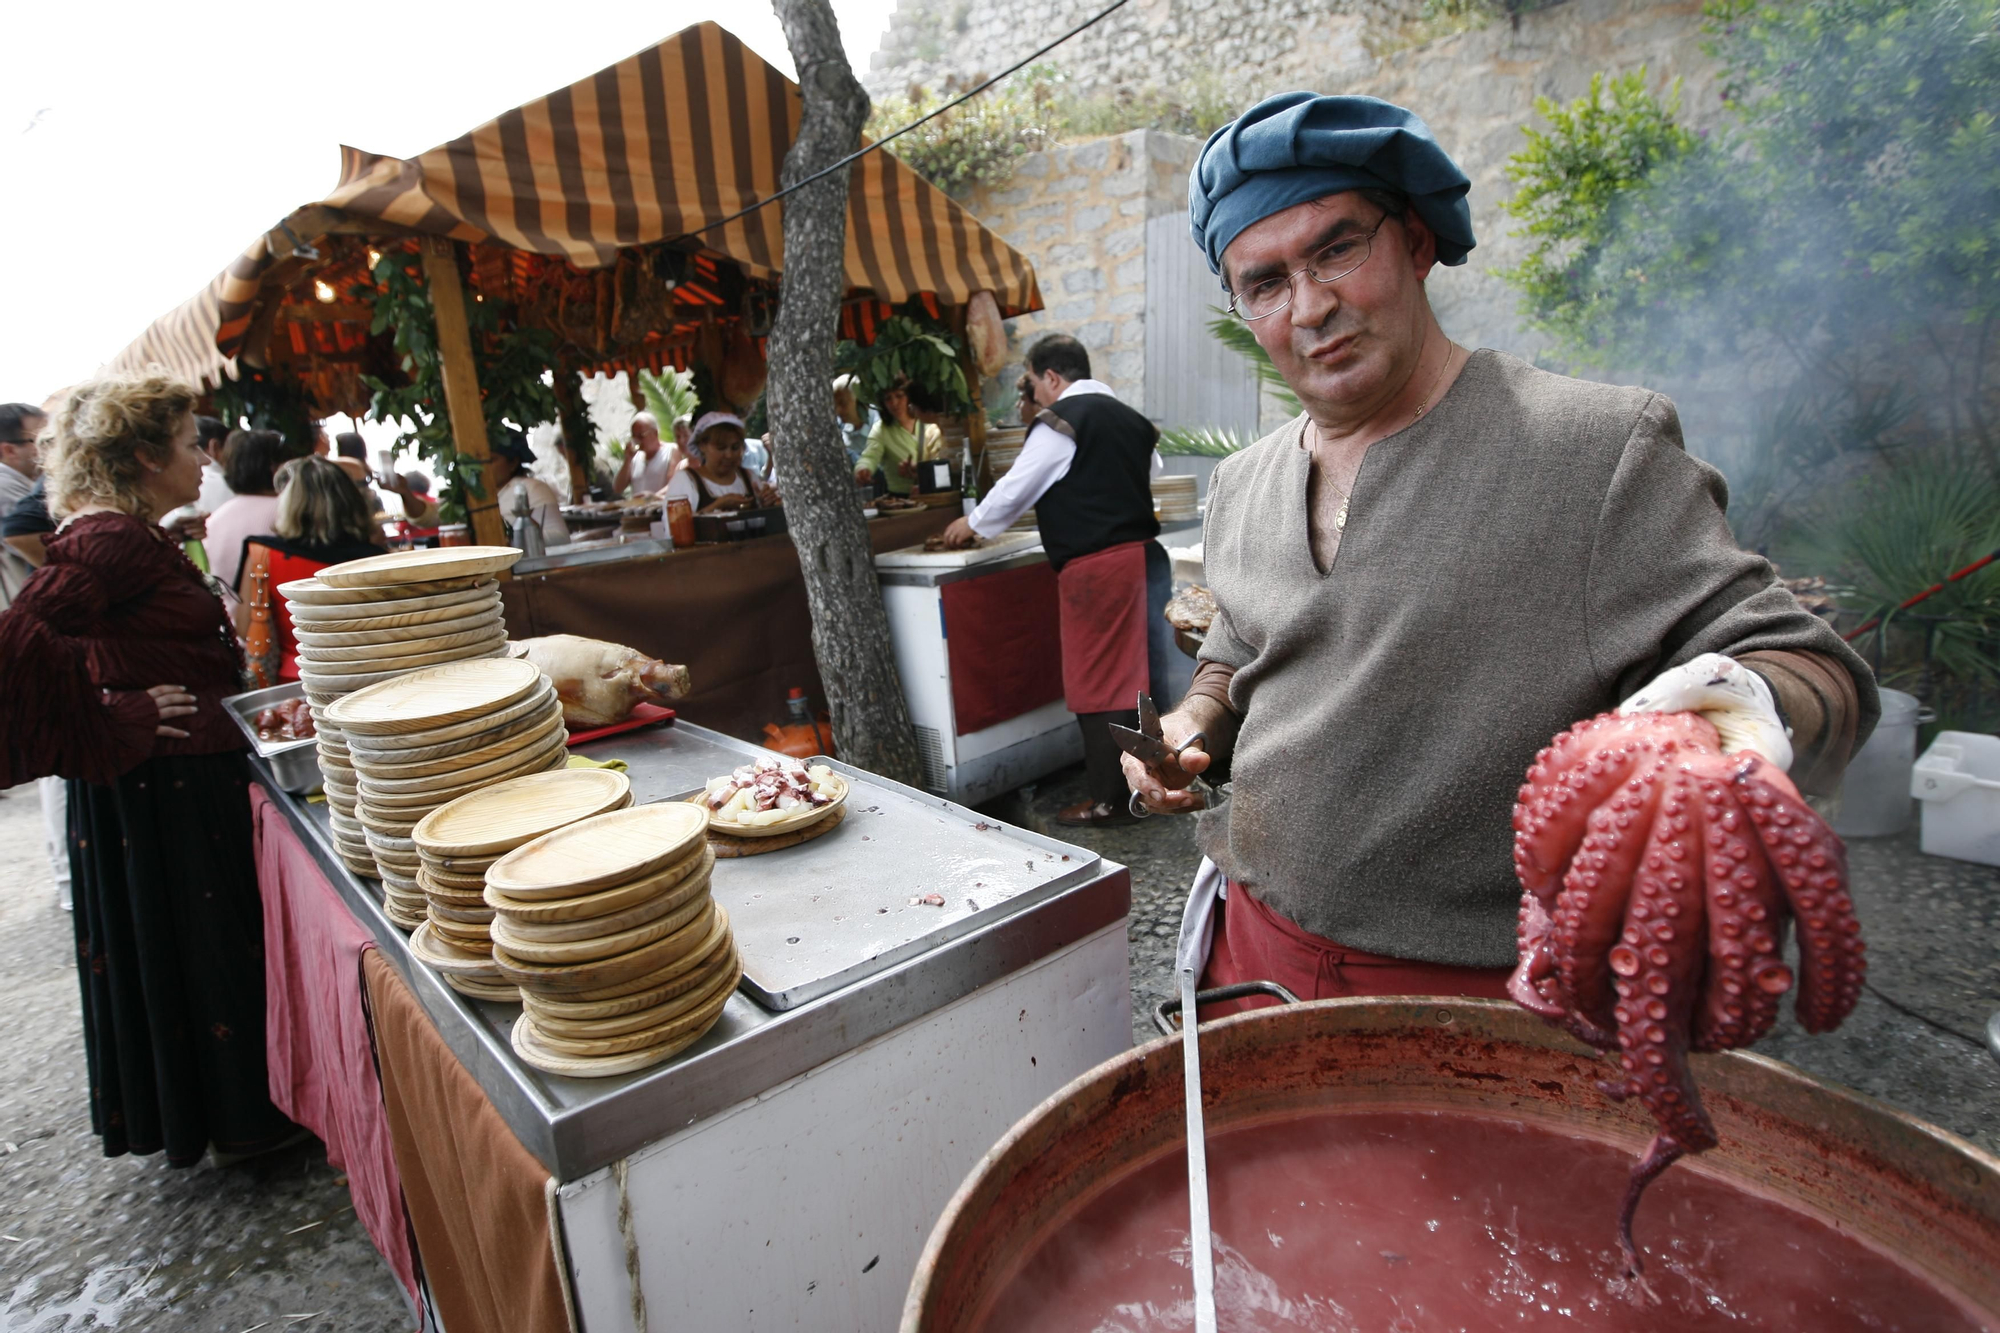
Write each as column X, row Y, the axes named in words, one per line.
column 1165, row 1012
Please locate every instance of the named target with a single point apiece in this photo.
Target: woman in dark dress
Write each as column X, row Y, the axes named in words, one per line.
column 169, row 925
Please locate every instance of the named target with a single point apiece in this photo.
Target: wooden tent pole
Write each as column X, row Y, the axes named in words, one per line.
column 461, row 381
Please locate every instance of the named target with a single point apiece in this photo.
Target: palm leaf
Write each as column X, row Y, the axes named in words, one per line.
column 1200, row 442
column 1234, row 334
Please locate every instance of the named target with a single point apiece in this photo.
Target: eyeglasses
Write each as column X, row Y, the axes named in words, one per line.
column 1340, row 257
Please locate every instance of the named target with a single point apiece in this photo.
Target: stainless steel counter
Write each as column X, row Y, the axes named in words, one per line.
column 890, row 962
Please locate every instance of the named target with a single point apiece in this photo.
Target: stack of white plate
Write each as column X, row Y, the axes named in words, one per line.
column 1174, row 499
column 608, row 928
column 425, row 738
column 458, row 841
column 367, row 621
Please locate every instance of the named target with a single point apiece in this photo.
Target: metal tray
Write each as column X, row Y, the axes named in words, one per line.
column 295, row 764
column 824, row 914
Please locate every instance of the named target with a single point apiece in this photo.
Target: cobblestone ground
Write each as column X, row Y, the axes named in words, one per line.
column 95, row 1242
column 88, row 1242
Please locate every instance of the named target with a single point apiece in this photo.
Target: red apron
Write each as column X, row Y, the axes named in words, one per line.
column 1254, row 943
column 1103, row 597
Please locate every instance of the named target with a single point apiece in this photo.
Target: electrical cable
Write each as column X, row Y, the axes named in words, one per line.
column 862, row 152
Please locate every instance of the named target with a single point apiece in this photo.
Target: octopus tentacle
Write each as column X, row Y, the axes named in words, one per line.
column 1588, row 919
column 1747, row 976
column 1811, row 865
column 1569, row 779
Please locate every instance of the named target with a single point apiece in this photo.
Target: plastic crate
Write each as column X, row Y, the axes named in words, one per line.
column 1958, row 781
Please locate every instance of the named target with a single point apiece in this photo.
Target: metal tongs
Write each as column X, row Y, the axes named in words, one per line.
column 1149, row 746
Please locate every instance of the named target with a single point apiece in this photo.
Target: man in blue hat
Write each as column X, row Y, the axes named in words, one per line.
column 1447, row 559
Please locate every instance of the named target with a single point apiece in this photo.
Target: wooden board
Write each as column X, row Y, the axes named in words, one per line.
column 330, row 672
column 436, row 697
column 700, row 1015
column 599, row 852
column 350, row 645
column 507, row 755
column 526, row 737
column 645, row 992
column 569, row 978
column 419, row 566
column 699, row 862
column 560, row 952
column 371, row 616
column 532, row 935
column 776, row 828
column 689, row 993
column 499, row 818
column 311, row 592
column 727, row 847
column 451, row 738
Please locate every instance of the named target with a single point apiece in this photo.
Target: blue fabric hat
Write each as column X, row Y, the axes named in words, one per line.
column 1295, row 147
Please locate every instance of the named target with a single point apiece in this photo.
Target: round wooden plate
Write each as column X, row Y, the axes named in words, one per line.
column 436, row 697
column 599, row 852
column 421, row 565
column 727, row 847
column 376, row 663
column 498, row 992
column 590, row 949
column 465, row 934
column 537, row 1056
column 532, row 734
column 520, row 714
column 796, row 820
column 509, row 755
column 601, row 937
column 697, row 988
column 569, row 978
column 454, row 886
column 367, row 617
column 311, row 592
column 497, row 819
column 434, row 792
column 331, row 688
column 695, row 1020
column 449, row 958
column 695, row 970
column 464, row 865
column 471, row 916
column 402, row 643
column 605, row 901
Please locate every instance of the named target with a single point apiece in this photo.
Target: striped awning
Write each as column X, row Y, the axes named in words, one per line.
column 659, row 147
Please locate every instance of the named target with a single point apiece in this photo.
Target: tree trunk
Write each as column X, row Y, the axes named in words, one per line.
column 871, row 723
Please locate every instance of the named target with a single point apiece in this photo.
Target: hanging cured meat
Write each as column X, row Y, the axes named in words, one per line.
column 1659, row 877
column 986, row 334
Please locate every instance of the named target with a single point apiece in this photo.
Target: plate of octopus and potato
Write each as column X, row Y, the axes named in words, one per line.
column 771, row 796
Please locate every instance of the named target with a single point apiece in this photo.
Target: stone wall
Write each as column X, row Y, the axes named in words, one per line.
column 1079, row 214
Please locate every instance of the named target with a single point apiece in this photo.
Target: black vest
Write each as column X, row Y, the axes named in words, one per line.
column 1106, row 497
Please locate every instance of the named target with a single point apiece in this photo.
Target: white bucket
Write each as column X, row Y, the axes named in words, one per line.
column 1958, row 780
column 1875, row 794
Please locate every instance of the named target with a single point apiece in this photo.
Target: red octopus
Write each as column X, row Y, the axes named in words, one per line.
column 1658, row 876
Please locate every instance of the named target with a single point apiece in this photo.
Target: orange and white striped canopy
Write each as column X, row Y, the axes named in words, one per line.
column 658, row 147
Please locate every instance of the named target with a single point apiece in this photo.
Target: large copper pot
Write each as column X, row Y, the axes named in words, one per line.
column 1919, row 1193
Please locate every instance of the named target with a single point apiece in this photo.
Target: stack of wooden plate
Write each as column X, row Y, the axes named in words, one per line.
column 427, row 737
column 608, row 928
column 458, row 841
column 1174, row 499
column 367, row 621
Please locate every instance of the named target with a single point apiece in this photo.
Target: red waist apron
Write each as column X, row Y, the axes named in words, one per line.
column 1254, row 943
column 1103, row 609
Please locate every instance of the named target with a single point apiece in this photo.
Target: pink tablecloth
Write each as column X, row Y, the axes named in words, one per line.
column 322, row 1063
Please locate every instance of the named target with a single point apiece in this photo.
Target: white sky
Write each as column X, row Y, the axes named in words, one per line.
column 143, row 145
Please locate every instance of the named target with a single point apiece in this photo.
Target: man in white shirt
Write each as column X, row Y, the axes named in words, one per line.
column 211, row 434
column 507, row 474
column 1086, row 470
column 648, row 465
column 20, row 464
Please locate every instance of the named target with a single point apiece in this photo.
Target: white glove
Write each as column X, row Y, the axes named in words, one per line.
column 1736, row 701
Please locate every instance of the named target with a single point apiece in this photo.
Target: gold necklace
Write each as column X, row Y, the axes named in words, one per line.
column 1450, row 350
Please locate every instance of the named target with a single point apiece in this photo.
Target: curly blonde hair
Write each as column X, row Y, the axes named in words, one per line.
column 106, row 432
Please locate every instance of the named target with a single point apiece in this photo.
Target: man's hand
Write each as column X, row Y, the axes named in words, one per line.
column 1163, row 789
column 1734, row 698
column 172, row 701
column 960, row 535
